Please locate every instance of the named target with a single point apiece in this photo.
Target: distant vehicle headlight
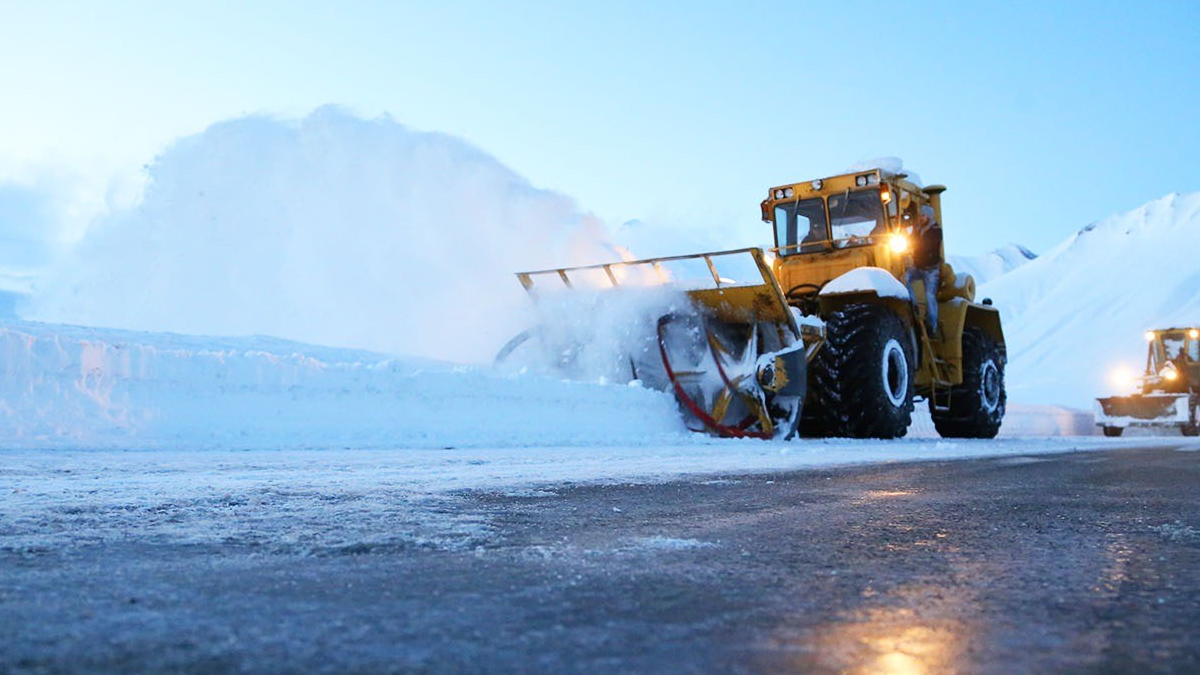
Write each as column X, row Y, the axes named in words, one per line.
column 1122, row 378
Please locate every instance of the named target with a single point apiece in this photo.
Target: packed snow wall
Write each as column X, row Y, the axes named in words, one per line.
column 78, row 387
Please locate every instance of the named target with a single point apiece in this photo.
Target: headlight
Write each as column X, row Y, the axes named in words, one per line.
column 1122, row 379
column 1168, row 372
column 816, row 184
column 779, row 194
column 1193, row 333
column 898, row 243
column 860, row 180
column 788, row 192
column 1149, row 336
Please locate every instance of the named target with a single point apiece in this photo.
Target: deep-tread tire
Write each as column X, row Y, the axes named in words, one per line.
column 977, row 405
column 816, row 418
column 1113, row 432
column 866, row 371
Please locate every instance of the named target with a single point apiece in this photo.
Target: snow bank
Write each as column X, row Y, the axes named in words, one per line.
column 333, row 230
column 1075, row 314
column 69, row 387
column 62, row 387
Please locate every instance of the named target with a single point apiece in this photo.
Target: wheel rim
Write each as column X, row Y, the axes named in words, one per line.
column 989, row 386
column 894, row 372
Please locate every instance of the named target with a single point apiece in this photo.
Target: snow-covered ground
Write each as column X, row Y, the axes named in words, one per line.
column 72, row 387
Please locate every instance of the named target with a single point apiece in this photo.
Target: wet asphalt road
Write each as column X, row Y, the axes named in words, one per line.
column 1076, row 563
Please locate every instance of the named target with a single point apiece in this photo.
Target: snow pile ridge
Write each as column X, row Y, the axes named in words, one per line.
column 62, row 387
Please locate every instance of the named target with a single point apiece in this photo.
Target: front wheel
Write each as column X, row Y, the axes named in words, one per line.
column 866, row 372
column 977, row 405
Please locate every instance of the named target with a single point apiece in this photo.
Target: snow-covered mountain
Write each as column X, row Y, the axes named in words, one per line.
column 1075, row 314
column 990, row 265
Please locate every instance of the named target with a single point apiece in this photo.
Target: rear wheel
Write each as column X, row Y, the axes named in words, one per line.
column 1113, row 431
column 865, row 373
column 977, row 405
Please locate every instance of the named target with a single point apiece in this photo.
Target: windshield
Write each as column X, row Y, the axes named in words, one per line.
column 1172, row 346
column 800, row 226
column 855, row 216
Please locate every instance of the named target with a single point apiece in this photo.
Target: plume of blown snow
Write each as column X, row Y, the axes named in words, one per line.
column 1074, row 315
column 332, row 229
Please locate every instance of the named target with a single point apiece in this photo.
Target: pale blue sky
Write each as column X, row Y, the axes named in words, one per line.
column 1039, row 116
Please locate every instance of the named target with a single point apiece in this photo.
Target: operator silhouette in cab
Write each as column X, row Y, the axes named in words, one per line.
column 926, row 264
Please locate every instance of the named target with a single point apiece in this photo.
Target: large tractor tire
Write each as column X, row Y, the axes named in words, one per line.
column 818, row 418
column 977, row 405
column 866, row 372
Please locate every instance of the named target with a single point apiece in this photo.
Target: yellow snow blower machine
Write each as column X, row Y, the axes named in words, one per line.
column 818, row 334
column 1169, row 393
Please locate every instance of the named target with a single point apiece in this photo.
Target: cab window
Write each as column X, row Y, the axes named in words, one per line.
column 800, row 226
column 854, row 217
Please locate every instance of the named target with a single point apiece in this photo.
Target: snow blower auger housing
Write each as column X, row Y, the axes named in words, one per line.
column 733, row 356
column 824, row 338
column 1169, row 389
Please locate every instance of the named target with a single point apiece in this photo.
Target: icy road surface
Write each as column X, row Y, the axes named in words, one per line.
column 310, row 501
column 332, row 562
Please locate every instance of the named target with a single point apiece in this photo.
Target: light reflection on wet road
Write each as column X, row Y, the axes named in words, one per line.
column 1078, row 563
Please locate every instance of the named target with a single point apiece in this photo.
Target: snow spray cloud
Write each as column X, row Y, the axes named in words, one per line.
column 593, row 335
column 332, row 229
